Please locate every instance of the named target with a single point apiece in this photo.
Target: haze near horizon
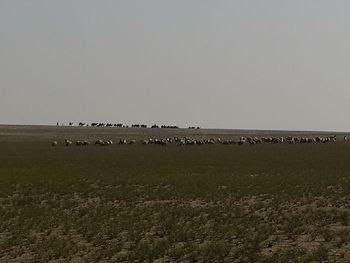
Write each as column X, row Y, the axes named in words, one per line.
column 217, row 64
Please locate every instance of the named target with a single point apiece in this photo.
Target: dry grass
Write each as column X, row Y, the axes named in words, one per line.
column 269, row 203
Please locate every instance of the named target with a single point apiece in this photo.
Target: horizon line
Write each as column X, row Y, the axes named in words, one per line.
column 181, row 128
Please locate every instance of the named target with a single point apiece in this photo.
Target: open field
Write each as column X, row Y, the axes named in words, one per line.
column 145, row 203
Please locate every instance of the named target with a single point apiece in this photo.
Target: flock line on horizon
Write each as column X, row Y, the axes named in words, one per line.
column 121, row 125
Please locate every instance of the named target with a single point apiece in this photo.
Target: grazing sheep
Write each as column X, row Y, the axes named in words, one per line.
column 99, row 142
column 122, row 141
column 163, row 142
column 109, row 142
column 82, row 143
column 68, row 142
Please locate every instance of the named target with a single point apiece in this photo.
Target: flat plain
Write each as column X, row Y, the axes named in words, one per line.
column 152, row 203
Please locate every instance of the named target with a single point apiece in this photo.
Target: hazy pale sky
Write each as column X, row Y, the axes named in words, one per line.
column 272, row 64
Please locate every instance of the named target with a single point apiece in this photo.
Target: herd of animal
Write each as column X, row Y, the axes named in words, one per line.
column 188, row 141
column 121, row 125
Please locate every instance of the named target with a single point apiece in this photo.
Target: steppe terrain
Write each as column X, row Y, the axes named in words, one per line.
column 149, row 203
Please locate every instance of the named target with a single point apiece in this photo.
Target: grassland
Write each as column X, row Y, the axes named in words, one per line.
column 148, row 203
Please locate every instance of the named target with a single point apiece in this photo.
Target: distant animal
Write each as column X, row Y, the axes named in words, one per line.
column 182, row 142
column 82, row 143
column 68, row 142
column 99, row 142
column 163, row 142
column 54, row 143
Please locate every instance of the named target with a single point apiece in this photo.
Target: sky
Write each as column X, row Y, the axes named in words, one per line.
column 239, row 64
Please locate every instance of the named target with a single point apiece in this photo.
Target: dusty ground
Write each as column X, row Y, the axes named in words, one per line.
column 137, row 203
